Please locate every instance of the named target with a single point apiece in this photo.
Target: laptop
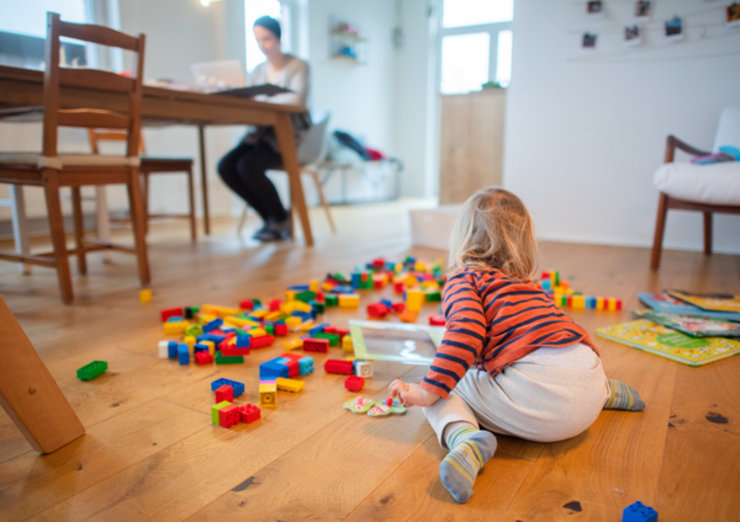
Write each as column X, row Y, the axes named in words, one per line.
column 219, row 75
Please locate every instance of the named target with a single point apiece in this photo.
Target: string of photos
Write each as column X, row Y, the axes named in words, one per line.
column 716, row 21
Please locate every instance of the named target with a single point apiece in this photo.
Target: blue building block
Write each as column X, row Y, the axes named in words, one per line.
column 387, row 302
column 638, row 512
column 318, row 329
column 200, row 348
column 213, row 325
column 242, row 341
column 175, row 319
column 172, row 349
column 305, row 365
column 275, row 368
column 216, row 339
column 299, row 288
column 343, row 289
column 183, row 353
column 237, row 386
column 306, row 316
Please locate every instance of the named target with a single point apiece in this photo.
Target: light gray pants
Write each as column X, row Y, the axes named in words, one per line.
column 552, row 394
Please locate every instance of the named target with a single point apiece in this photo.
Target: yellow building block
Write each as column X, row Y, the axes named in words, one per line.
column 211, row 347
column 205, row 318
column 190, row 341
column 256, row 332
column 600, row 303
column 274, row 316
column 268, row 395
column 240, row 322
column 175, row 327
column 419, row 266
column 410, row 281
column 145, row 296
column 293, row 322
column 414, row 299
column 612, row 304
column 305, row 327
column 327, row 287
column 313, row 285
column 289, row 385
column 579, row 302
column 349, row 301
column 293, row 344
column 289, row 296
column 219, row 311
column 557, row 297
column 347, row 345
column 258, row 314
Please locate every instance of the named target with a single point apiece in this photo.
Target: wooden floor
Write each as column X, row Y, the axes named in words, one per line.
column 150, row 451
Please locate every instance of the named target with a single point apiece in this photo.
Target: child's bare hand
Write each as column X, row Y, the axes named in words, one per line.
column 411, row 394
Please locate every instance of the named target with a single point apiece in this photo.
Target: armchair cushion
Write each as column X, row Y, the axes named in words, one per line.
column 716, row 184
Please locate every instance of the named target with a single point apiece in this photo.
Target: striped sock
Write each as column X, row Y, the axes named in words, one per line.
column 470, row 449
column 623, row 397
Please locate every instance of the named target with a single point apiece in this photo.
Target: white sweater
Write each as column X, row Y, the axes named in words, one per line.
column 293, row 76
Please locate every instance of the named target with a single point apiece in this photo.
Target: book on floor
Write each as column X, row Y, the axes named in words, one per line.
column 715, row 302
column 663, row 302
column 660, row 340
column 693, row 325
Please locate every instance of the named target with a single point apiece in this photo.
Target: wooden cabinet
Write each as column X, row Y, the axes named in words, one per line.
column 471, row 143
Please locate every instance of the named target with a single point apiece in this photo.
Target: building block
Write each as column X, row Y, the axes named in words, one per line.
column 237, row 386
column 408, row 316
column 305, row 365
column 261, row 341
column 339, row 366
column 167, row 349
column 331, row 337
column 349, row 301
column 203, row 358
column 218, row 311
column 638, row 512
column 377, row 310
column 170, row 312
column 145, row 296
column 317, row 307
column 433, row 296
column 183, row 354
column 354, row 383
column 91, row 370
column 281, row 329
column 316, row 345
column 289, row 385
column 317, row 329
column 174, row 328
column 274, row 368
column 347, row 345
column 215, row 409
column 231, row 350
column 437, row 320
column 399, row 307
column 293, row 344
column 224, row 393
column 364, row 368
column 249, row 413
column 228, row 359
column 268, row 394
column 331, row 300
column 228, row 416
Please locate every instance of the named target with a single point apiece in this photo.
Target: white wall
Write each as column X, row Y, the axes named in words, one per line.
column 586, row 131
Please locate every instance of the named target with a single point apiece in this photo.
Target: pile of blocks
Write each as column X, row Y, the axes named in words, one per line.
column 225, row 413
column 566, row 297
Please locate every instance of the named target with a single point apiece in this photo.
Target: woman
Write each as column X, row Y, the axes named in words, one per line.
column 243, row 168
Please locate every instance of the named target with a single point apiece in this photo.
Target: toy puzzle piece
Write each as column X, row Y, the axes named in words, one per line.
column 397, row 407
column 358, row 405
column 381, row 409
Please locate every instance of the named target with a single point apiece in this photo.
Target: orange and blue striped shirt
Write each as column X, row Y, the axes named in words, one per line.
column 492, row 321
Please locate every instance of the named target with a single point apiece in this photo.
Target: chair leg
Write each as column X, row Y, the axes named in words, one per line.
column 102, row 219
column 20, row 225
column 707, row 233
column 659, row 228
column 191, row 205
column 324, row 203
column 79, row 227
column 136, row 208
column 56, row 229
column 145, row 199
column 242, row 220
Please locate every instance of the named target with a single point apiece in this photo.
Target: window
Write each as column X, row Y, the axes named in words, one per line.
column 253, row 9
column 476, row 44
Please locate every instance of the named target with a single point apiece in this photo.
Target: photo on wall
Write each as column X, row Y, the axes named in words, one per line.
column 595, row 8
column 632, row 35
column 643, row 9
column 732, row 15
column 674, row 29
column 589, row 41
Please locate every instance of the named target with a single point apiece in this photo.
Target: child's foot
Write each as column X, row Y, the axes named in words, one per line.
column 623, row 397
column 459, row 469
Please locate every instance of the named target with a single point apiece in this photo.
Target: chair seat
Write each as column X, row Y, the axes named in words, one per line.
column 715, row 184
column 32, row 160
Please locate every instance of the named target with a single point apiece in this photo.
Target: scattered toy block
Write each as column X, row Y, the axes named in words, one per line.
column 145, row 296
column 274, row 368
column 203, row 357
column 339, row 366
column 408, row 316
column 228, row 416
column 364, row 368
column 349, row 300
column 92, row 370
column 399, row 307
column 414, row 299
column 289, row 385
column 228, row 359
column 377, row 310
column 331, row 337
column 170, row 312
column 293, row 344
column 347, row 345
column 638, row 512
column 281, row 329
column 249, row 413
column 315, row 345
column 305, row 365
column 174, row 327
column 224, row 393
column 237, row 386
column 261, row 341
column 437, row 320
column 167, row 349
column 268, row 394
column 354, row 383
column 183, row 354
column 215, row 409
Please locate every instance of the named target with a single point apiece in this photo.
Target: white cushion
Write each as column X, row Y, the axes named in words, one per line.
column 715, row 184
column 68, row 160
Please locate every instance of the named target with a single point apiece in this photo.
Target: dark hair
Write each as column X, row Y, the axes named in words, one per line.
column 268, row 23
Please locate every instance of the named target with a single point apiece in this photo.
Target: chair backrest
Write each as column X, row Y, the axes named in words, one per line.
column 728, row 130
column 313, row 146
column 55, row 116
column 95, row 136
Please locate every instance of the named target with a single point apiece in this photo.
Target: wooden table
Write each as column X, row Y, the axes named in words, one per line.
column 22, row 89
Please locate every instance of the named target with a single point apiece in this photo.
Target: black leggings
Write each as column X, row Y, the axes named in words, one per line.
column 243, row 170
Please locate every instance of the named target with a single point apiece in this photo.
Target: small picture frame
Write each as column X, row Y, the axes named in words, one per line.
column 632, row 35
column 588, row 41
column 674, row 29
column 595, row 8
column 643, row 9
column 732, row 15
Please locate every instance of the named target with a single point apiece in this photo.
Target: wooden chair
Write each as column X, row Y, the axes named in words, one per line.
column 310, row 152
column 148, row 165
column 703, row 188
column 52, row 170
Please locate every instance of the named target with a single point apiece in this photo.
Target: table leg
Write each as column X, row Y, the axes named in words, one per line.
column 284, row 133
column 203, row 177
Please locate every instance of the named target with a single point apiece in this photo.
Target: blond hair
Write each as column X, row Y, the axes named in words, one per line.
column 494, row 230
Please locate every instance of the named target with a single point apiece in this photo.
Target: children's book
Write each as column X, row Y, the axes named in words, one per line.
column 666, row 304
column 711, row 302
column 663, row 341
column 693, row 325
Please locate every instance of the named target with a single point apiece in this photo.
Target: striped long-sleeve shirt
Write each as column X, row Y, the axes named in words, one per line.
column 491, row 322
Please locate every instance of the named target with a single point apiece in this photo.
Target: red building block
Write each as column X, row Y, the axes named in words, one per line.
column 377, row 310
column 224, row 393
column 275, row 305
column 247, row 304
column 437, row 320
column 315, row 345
column 281, row 329
column 249, row 413
column 399, row 307
column 354, row 383
column 230, row 350
column 203, row 358
column 228, row 416
column 261, row 341
column 171, row 312
column 339, row 366
column 341, row 332
column 399, row 286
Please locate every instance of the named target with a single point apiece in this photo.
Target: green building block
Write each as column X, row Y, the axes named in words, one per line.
column 194, row 329
column 317, row 307
column 332, row 337
column 230, row 359
column 215, row 409
column 306, row 296
column 92, row 370
column 270, row 328
column 434, row 296
column 331, row 299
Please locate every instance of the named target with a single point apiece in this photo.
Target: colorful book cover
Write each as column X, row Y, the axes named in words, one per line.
column 711, row 302
column 666, row 304
column 663, row 341
column 693, row 325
